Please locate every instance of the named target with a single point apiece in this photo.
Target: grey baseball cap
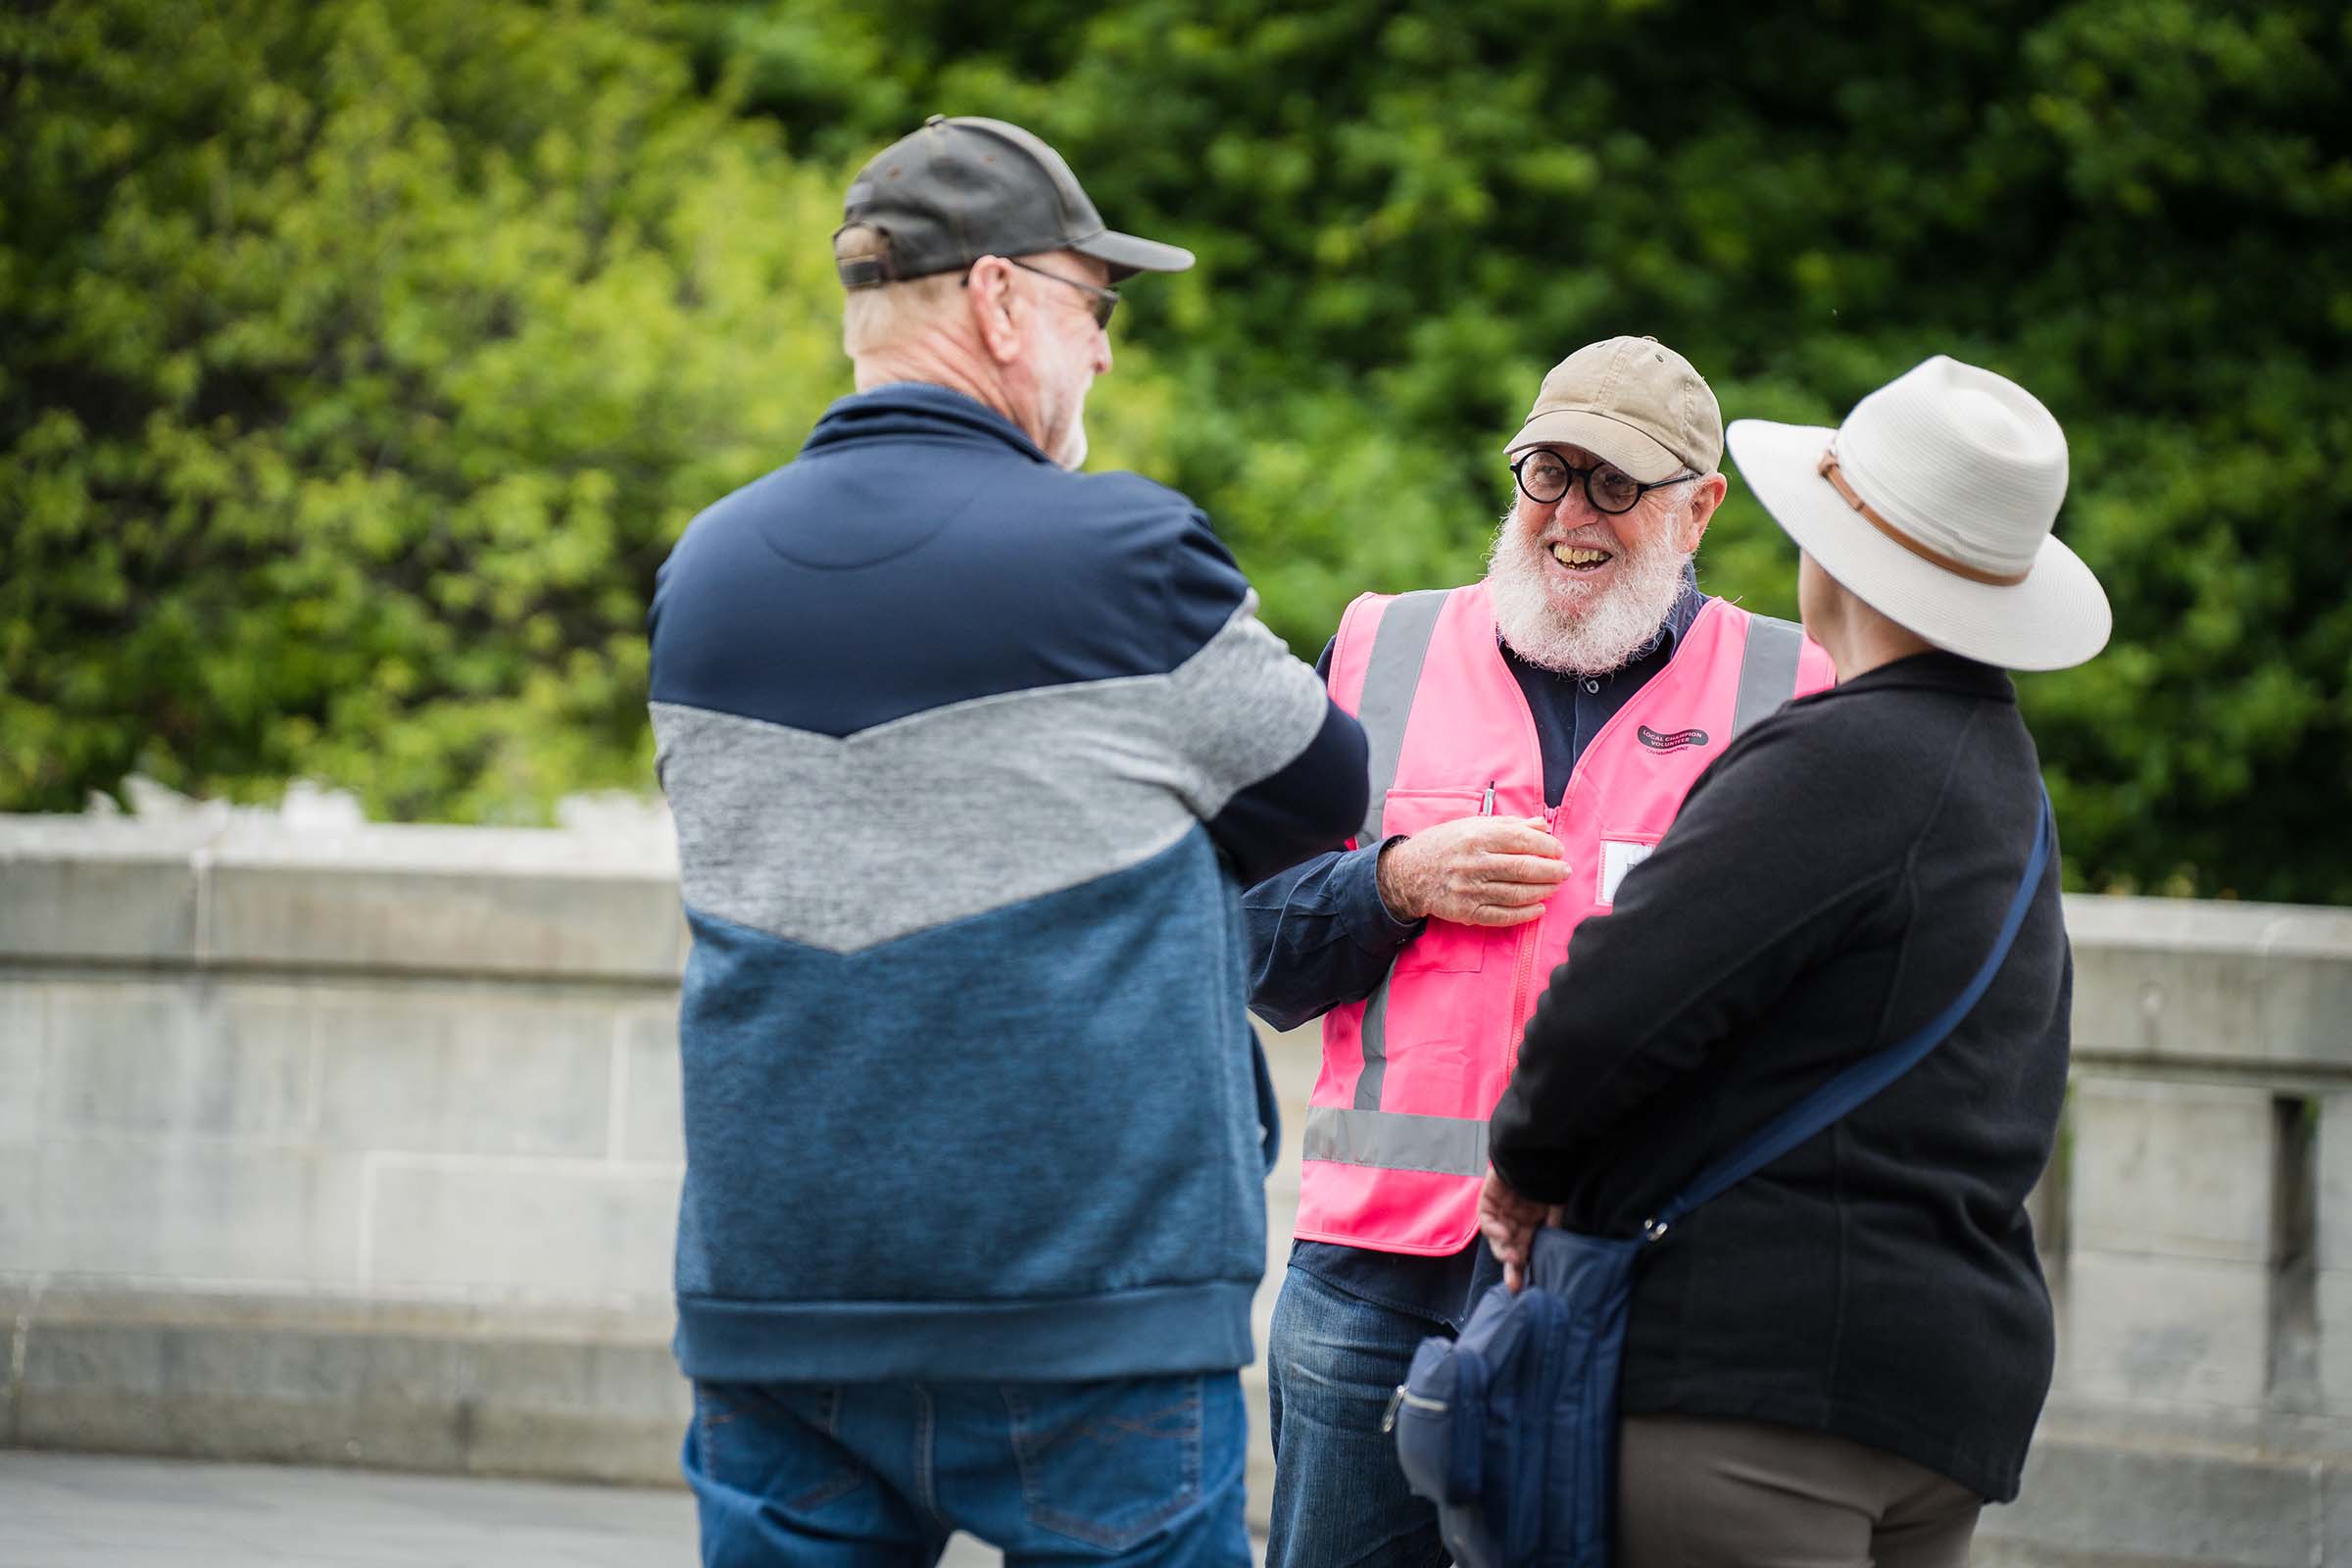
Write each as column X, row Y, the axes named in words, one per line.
column 963, row 188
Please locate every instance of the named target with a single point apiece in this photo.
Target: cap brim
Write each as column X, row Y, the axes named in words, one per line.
column 2057, row 617
column 1610, row 440
column 1127, row 254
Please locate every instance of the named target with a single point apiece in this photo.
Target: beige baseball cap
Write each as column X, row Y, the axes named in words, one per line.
column 1630, row 401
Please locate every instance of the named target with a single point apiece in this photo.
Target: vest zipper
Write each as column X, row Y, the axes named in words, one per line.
column 1527, row 965
column 1530, row 938
column 1522, row 1003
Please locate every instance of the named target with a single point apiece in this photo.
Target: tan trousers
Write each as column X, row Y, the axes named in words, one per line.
column 1700, row 1494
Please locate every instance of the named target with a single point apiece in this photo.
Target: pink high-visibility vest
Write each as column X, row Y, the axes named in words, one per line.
column 1395, row 1137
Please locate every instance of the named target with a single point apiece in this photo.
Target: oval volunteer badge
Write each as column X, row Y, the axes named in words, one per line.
column 1672, row 740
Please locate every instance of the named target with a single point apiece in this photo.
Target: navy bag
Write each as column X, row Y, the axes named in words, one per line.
column 1511, row 1430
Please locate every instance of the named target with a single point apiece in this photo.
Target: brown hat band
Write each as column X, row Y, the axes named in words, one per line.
column 1958, row 568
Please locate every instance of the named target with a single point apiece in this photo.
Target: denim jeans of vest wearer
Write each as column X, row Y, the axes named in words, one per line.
column 1332, row 1364
column 1140, row 1471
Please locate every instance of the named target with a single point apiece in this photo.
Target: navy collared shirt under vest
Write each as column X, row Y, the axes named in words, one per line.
column 1320, row 937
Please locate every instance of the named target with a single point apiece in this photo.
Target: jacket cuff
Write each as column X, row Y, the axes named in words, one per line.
column 1517, row 1174
column 1355, row 878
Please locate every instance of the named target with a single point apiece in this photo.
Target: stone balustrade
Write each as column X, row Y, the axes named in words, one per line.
column 363, row 1146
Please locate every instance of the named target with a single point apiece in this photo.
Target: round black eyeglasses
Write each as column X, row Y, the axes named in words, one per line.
column 1545, row 477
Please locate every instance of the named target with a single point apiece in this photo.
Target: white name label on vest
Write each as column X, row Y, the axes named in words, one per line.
column 1618, row 856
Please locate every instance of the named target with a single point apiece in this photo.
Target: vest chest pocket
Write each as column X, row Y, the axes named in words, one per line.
column 1443, row 946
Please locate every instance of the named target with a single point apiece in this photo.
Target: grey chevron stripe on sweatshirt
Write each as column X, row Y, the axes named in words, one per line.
column 841, row 843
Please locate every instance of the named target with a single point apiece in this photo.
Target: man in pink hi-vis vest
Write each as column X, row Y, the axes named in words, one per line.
column 1531, row 737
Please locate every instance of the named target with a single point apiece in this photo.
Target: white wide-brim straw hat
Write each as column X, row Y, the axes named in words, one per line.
column 1932, row 504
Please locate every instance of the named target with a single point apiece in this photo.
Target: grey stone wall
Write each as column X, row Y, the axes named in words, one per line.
column 2197, row 1234
column 362, row 1146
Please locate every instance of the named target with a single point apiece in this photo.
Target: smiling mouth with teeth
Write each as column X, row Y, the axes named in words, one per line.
column 1580, row 557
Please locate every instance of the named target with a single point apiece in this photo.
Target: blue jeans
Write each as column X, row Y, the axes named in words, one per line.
column 1139, row 1471
column 1333, row 1362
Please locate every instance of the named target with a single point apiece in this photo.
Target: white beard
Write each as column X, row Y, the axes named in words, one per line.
column 1605, row 629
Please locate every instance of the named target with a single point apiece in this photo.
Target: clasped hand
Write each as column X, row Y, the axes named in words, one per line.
column 1510, row 1219
column 1475, row 871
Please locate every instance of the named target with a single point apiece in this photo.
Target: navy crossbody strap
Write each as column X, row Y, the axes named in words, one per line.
column 1872, row 1073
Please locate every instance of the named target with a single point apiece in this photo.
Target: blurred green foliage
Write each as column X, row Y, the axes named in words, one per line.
column 364, row 356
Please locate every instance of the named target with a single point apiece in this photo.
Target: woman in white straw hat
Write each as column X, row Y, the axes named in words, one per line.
column 1842, row 1357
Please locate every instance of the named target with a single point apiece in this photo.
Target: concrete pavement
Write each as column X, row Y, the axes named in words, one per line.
column 66, row 1511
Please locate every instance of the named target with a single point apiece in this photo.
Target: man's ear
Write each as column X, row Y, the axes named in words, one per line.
column 996, row 307
column 1705, row 496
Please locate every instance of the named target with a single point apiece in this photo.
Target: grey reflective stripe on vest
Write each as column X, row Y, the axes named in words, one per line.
column 1392, row 674
column 1767, row 669
column 1446, row 1145
column 1400, row 647
column 1376, row 1044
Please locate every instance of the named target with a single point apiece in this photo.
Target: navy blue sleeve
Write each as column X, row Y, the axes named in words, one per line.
column 1200, row 583
column 1319, row 935
column 1291, row 817
column 1278, row 813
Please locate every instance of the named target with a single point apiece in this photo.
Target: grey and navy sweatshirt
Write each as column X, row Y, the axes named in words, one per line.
column 969, row 757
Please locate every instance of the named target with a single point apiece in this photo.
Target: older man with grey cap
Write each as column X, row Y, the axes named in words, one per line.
column 970, row 756
column 1531, row 736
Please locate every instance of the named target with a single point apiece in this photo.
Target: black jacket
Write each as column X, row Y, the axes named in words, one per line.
column 1831, row 883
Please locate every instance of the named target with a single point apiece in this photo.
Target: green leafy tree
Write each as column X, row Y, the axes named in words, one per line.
column 1407, row 211
column 365, row 357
